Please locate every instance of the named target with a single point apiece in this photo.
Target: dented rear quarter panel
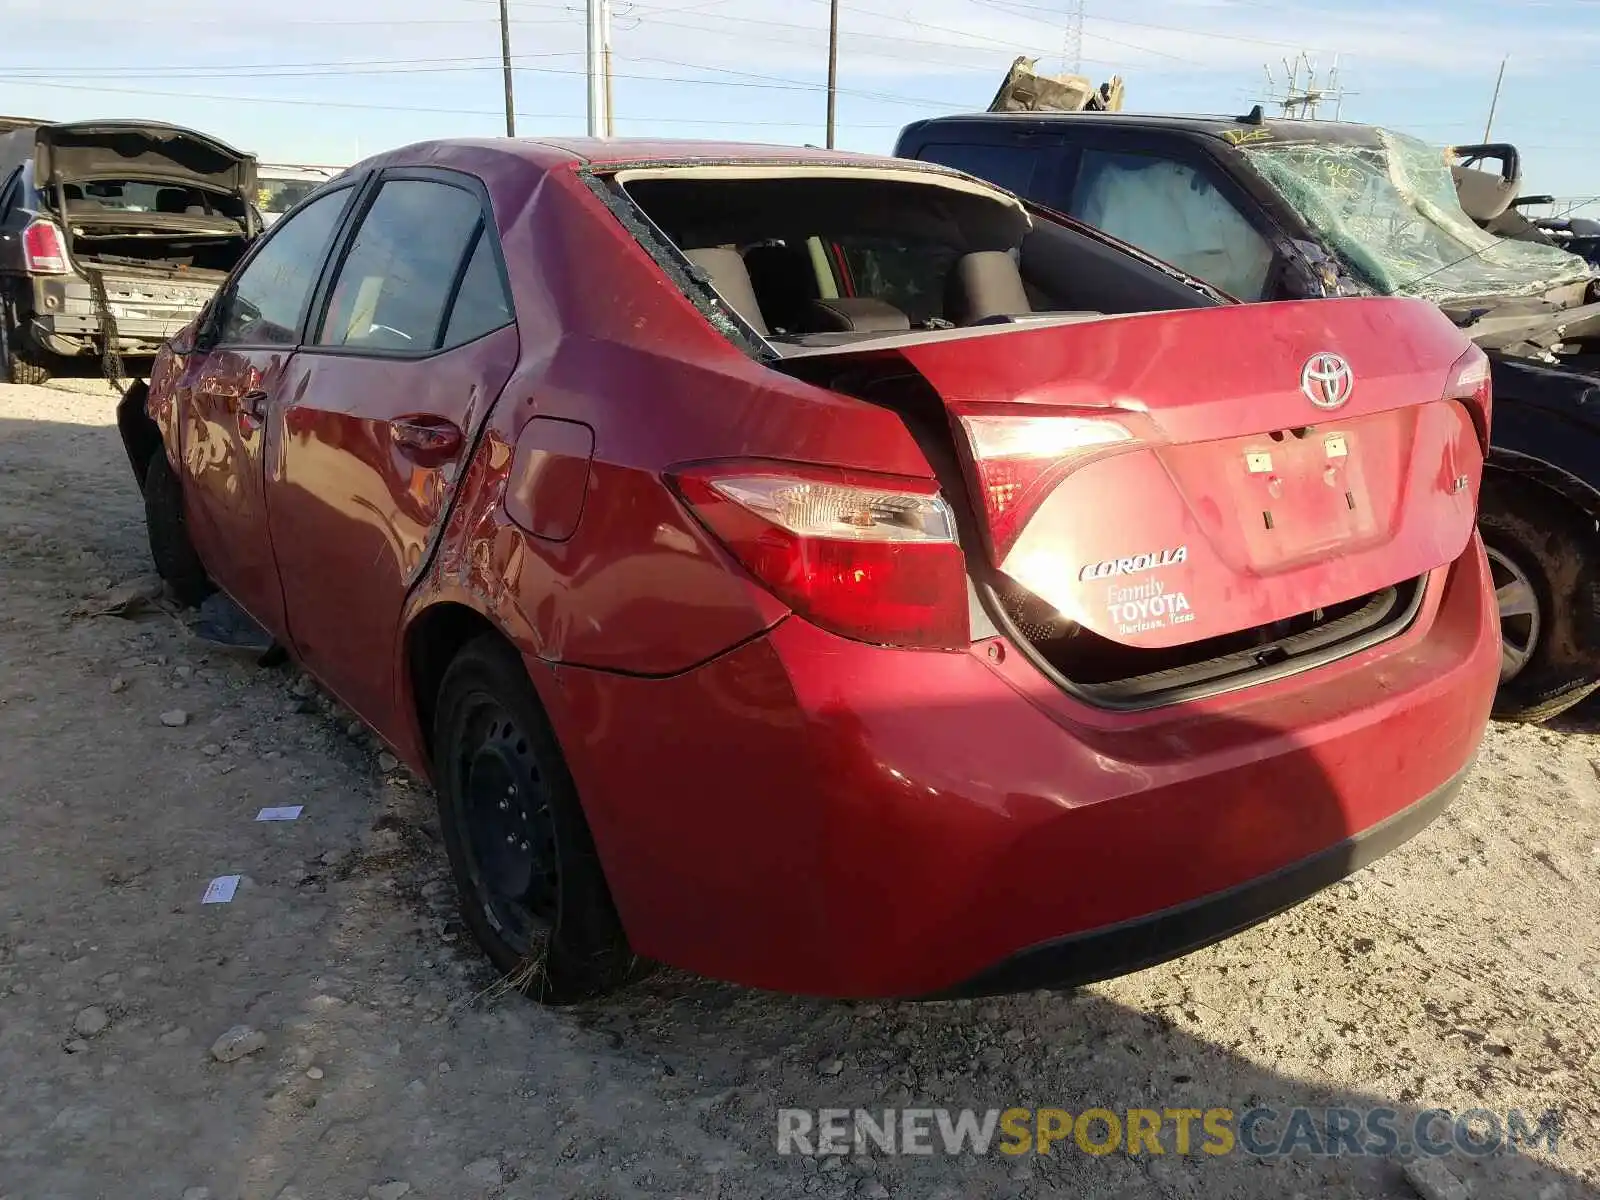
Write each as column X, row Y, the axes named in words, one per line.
column 610, row 343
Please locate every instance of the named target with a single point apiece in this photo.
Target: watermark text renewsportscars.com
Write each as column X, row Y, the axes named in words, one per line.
column 1261, row 1132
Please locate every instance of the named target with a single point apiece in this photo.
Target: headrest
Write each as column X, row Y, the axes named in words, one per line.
column 984, row 284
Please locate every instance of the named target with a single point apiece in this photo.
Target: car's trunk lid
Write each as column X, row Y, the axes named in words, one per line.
column 1233, row 501
column 142, row 150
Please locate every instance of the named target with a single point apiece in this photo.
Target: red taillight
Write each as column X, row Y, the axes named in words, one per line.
column 1468, row 381
column 42, row 250
column 1020, row 459
column 869, row 557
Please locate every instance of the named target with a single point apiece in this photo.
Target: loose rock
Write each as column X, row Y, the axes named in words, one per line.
column 314, row 1073
column 387, row 763
column 119, row 684
column 1433, row 1180
column 197, row 1193
column 831, row 1066
column 91, row 1021
column 238, row 1042
column 175, row 718
column 485, row 1171
column 392, row 1190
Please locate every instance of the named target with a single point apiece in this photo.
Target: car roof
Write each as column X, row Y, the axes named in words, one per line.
column 1213, row 125
column 555, row 152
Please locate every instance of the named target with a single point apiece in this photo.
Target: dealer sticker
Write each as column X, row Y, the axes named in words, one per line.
column 1142, row 607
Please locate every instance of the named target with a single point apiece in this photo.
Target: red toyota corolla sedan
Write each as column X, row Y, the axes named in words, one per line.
column 829, row 573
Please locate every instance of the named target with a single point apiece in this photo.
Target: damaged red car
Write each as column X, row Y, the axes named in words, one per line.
column 828, row 573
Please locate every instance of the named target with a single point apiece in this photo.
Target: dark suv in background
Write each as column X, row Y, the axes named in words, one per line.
column 1283, row 210
column 113, row 235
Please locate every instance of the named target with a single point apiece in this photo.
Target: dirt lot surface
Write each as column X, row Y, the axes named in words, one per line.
column 1461, row 972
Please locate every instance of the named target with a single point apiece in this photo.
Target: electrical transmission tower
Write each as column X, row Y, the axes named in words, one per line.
column 1302, row 96
column 1072, row 39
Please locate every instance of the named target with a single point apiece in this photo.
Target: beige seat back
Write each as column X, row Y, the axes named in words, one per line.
column 731, row 279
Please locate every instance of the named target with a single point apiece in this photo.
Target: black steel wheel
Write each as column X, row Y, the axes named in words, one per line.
column 529, row 881
column 1546, row 571
column 19, row 362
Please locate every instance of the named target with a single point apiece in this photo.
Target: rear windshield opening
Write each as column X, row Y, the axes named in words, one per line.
column 801, row 256
column 819, row 259
column 1118, row 676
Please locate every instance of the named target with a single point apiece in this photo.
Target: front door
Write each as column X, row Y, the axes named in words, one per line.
column 391, row 387
column 225, row 395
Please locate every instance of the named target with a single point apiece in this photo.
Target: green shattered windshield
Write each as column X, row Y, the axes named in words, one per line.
column 1390, row 210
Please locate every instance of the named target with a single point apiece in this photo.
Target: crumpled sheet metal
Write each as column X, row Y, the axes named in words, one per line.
column 1391, row 212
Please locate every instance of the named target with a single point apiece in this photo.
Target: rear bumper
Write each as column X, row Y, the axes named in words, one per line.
column 67, row 320
column 1146, row 941
column 815, row 815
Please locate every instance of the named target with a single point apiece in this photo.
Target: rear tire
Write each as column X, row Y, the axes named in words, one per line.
column 19, row 362
column 528, row 877
column 176, row 559
column 1543, row 559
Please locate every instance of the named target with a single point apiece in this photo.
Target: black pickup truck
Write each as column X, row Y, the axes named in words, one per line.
column 1278, row 210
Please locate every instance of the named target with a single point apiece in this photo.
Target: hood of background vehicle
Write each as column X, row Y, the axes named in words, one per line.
column 143, row 150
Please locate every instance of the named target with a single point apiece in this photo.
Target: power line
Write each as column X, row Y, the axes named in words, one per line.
column 351, row 104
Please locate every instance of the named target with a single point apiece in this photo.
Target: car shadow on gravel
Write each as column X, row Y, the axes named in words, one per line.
column 1180, row 1048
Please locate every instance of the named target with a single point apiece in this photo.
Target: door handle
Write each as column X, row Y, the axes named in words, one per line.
column 253, row 402
column 434, row 437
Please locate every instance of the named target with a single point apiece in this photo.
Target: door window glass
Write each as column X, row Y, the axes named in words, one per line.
column 391, row 292
column 1172, row 210
column 1009, row 166
column 269, row 296
column 481, row 303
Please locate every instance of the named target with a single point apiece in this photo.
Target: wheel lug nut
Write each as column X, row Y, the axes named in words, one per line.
column 524, row 845
column 511, row 839
column 504, row 805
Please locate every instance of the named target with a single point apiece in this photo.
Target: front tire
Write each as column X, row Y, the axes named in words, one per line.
column 526, row 871
column 177, row 561
column 1542, row 557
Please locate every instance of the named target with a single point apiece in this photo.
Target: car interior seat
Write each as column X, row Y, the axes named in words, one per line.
column 730, row 278
column 985, row 286
column 785, row 283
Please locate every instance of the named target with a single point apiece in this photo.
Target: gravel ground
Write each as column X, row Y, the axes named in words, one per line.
column 379, row 1061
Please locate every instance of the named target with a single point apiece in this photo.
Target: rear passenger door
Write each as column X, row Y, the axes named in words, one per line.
column 411, row 342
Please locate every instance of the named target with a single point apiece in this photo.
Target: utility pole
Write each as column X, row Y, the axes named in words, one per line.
column 1495, row 101
column 605, row 55
column 505, row 59
column 833, row 67
column 595, row 66
column 1072, row 40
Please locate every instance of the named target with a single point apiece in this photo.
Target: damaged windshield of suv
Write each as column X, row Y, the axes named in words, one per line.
column 1389, row 209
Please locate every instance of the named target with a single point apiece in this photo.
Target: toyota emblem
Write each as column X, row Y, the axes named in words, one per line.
column 1327, row 380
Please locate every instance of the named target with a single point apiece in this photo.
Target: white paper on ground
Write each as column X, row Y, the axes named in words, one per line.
column 289, row 813
column 221, row 889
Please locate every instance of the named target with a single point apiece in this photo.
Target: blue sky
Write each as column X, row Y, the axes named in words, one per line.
column 300, row 80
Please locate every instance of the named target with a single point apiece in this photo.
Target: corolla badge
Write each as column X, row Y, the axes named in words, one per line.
column 1327, row 380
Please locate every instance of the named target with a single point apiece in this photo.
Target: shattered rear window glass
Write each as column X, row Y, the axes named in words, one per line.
column 1390, row 210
